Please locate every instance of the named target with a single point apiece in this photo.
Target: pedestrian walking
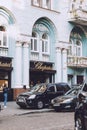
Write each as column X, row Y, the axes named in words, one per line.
column 5, row 94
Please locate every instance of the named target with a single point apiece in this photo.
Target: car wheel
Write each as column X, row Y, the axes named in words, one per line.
column 56, row 109
column 40, row 104
column 23, row 107
column 78, row 124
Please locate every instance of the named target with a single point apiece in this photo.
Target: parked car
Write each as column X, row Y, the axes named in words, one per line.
column 80, row 116
column 0, row 107
column 67, row 101
column 41, row 95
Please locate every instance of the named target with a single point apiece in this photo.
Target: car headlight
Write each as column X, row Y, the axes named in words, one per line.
column 32, row 96
column 67, row 100
column 53, row 101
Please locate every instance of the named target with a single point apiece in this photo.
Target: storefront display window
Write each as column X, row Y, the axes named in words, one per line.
column 2, row 82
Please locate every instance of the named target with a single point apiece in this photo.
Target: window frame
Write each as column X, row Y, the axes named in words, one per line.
column 45, row 44
column 75, row 50
column 42, row 3
column 2, row 38
column 34, row 43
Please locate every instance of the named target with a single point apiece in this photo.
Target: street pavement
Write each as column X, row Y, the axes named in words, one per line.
column 10, row 119
column 14, row 109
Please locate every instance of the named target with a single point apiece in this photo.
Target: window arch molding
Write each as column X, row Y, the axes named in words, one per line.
column 45, row 43
column 7, row 15
column 47, row 37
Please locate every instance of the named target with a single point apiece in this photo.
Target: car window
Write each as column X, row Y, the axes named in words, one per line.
column 66, row 88
column 59, row 88
column 35, row 88
column 85, row 88
column 62, row 87
column 38, row 87
column 72, row 92
column 51, row 89
column 42, row 88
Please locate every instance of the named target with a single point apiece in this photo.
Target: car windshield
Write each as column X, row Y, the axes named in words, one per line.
column 38, row 88
column 72, row 92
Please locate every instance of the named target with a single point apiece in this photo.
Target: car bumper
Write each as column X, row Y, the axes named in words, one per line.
column 21, row 102
column 64, row 106
column 31, row 103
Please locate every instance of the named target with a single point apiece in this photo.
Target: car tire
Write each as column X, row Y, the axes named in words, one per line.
column 23, row 107
column 40, row 104
column 78, row 124
column 56, row 109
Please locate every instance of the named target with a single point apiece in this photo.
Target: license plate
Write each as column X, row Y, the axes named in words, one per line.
column 57, row 105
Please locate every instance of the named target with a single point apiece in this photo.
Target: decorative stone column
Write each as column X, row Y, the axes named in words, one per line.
column 58, row 65
column 64, row 65
column 61, row 61
column 26, row 64
column 18, row 65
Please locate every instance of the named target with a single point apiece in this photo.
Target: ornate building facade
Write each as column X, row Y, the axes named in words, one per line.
column 42, row 40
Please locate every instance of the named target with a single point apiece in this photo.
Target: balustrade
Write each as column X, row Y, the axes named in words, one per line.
column 74, row 61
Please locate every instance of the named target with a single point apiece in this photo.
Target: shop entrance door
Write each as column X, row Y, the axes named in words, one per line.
column 5, row 77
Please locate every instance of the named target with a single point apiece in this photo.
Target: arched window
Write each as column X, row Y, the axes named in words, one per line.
column 45, row 43
column 75, row 47
column 34, row 42
column 40, row 43
column 3, row 37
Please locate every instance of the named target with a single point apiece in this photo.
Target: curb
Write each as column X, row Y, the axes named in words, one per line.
column 36, row 111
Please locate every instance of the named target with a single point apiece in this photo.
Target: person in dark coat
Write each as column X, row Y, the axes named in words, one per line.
column 5, row 94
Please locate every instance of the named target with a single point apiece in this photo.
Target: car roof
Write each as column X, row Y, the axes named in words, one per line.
column 58, row 84
column 61, row 83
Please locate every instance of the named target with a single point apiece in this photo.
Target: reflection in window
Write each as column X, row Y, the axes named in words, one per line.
column 42, row 89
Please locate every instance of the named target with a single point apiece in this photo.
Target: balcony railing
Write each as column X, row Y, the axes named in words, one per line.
column 74, row 61
column 78, row 16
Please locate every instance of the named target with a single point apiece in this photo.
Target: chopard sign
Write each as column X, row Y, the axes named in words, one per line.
column 41, row 66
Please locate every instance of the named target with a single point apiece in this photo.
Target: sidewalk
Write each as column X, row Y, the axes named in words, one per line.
column 14, row 109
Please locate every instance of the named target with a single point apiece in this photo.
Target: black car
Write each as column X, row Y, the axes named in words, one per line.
column 67, row 101
column 41, row 95
column 80, row 116
column 0, row 107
